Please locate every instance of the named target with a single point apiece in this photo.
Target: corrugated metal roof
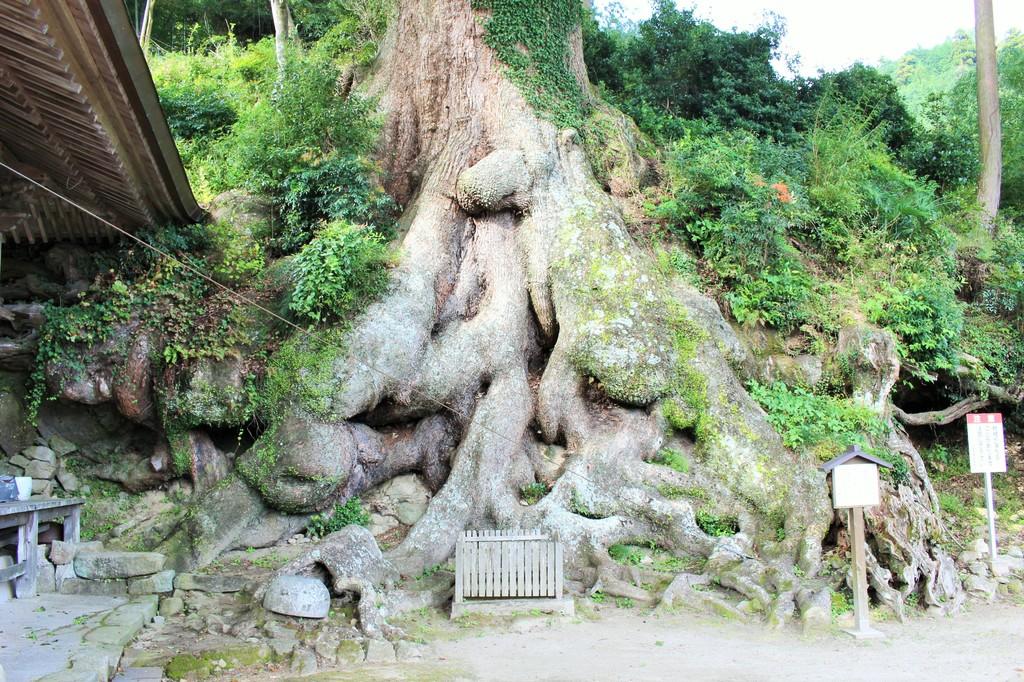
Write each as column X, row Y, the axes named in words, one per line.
column 79, row 113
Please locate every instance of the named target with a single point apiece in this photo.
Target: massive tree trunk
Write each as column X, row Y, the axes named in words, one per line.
column 989, row 125
column 522, row 319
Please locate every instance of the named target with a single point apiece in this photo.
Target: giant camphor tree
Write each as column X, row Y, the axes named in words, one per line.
column 527, row 337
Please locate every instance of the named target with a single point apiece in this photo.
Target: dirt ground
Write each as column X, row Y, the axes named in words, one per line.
column 986, row 643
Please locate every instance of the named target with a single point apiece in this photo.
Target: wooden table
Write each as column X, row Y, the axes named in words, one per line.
column 26, row 516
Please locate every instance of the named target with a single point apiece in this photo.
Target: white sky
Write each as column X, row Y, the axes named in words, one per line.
column 832, row 34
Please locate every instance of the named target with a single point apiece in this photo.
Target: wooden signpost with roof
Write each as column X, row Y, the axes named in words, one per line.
column 855, row 486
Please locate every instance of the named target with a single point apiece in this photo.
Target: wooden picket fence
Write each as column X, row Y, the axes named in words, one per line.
column 513, row 564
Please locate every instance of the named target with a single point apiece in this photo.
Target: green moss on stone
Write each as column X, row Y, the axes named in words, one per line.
column 202, row 666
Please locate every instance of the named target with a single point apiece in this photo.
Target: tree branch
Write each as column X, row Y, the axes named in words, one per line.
column 941, row 417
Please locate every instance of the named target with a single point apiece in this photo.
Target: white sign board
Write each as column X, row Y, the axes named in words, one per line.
column 985, row 442
column 855, row 485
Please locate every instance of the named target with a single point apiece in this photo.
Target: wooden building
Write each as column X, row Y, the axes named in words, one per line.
column 79, row 113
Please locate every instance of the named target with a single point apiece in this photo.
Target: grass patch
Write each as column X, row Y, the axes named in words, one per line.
column 673, row 459
column 532, row 493
column 717, row 526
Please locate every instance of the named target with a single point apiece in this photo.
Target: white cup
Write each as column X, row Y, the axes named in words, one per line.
column 24, row 484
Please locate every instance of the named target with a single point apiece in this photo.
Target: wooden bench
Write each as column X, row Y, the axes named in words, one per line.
column 501, row 572
column 26, row 517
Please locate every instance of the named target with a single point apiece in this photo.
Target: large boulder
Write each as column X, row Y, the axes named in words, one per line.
column 299, row 468
column 207, row 464
column 239, row 208
column 402, row 500
column 158, row 583
column 101, row 432
column 117, row 370
column 295, row 595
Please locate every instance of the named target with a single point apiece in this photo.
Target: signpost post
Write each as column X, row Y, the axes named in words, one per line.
column 987, row 448
column 855, row 486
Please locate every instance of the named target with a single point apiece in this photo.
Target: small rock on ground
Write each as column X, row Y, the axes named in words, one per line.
column 380, row 651
column 294, row 595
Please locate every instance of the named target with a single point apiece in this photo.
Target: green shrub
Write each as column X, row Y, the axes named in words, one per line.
column 236, row 258
column 953, row 505
column 1004, row 290
column 733, row 197
column 899, row 473
column 350, row 513
column 998, row 344
column 824, row 424
column 291, row 126
column 840, row 604
column 338, row 272
column 855, row 186
column 339, row 188
column 926, row 318
column 717, row 526
column 194, row 111
column 780, row 297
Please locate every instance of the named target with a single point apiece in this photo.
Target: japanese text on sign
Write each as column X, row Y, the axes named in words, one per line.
column 985, row 442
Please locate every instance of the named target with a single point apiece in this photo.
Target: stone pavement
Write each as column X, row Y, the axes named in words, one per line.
column 65, row 638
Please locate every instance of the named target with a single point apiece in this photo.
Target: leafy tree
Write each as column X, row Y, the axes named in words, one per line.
column 871, row 93
column 681, row 67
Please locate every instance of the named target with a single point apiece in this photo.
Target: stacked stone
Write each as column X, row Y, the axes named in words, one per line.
column 45, row 465
column 87, row 569
column 190, row 588
column 986, row 579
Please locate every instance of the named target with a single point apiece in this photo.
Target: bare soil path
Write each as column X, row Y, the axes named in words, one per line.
column 987, row 643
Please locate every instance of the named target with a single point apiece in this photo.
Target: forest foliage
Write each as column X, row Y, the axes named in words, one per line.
column 805, row 205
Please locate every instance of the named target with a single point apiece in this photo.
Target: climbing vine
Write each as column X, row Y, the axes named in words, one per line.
column 532, row 39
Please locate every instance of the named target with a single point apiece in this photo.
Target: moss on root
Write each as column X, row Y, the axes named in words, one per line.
column 620, row 336
column 302, row 373
column 630, row 336
column 616, row 150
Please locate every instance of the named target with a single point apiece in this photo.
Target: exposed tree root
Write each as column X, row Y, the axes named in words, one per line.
column 941, row 417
